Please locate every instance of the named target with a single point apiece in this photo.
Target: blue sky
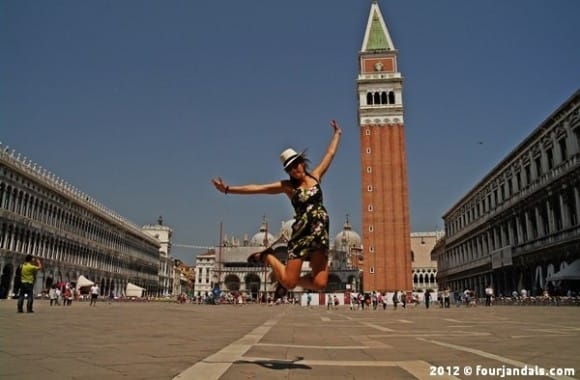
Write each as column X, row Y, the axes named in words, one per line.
column 141, row 103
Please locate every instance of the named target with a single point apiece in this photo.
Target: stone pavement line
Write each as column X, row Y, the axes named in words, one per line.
column 313, row 347
column 214, row 366
column 377, row 327
column 488, row 355
column 418, row 368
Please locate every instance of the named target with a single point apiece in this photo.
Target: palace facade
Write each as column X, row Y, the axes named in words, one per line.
column 520, row 223
column 73, row 235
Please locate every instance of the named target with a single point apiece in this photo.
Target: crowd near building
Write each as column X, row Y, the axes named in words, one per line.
column 518, row 227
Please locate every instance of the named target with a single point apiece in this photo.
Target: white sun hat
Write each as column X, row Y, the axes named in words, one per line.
column 288, row 156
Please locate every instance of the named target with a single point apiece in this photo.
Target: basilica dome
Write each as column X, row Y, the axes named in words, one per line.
column 347, row 238
column 259, row 239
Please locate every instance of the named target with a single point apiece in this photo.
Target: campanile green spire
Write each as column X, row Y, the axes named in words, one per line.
column 377, row 37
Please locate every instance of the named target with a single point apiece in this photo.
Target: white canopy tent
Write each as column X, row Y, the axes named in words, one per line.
column 571, row 272
column 134, row 290
column 82, row 281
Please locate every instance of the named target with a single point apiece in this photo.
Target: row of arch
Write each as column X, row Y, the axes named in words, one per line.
column 57, row 249
column 71, row 218
column 424, row 279
column 382, row 97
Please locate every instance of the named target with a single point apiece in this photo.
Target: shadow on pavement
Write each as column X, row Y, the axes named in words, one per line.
column 276, row 364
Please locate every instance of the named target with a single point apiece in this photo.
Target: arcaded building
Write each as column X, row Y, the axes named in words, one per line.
column 70, row 232
column 384, row 187
column 519, row 224
column 424, row 268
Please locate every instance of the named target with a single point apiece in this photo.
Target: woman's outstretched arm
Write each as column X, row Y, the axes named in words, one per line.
column 269, row 188
column 323, row 166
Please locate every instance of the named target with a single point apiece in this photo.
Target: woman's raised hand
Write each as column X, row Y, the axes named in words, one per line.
column 336, row 127
column 219, row 184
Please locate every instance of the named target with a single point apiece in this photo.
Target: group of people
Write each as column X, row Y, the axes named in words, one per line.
column 58, row 294
column 64, row 294
column 376, row 300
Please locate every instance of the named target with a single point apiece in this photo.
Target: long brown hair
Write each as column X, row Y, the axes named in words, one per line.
column 302, row 159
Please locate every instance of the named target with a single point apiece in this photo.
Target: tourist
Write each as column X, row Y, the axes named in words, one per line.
column 94, row 295
column 427, row 298
column 488, row 295
column 309, row 240
column 403, row 299
column 27, row 279
column 52, row 295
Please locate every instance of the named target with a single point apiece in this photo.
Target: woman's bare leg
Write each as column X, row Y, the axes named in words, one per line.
column 318, row 279
column 288, row 275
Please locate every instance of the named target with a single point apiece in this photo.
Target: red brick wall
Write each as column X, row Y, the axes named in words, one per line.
column 389, row 218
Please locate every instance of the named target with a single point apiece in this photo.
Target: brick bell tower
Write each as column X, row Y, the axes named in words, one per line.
column 384, row 188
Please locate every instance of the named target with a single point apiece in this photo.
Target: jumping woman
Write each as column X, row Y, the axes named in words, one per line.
column 309, row 240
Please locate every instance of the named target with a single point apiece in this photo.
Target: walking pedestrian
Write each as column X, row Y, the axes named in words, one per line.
column 94, row 295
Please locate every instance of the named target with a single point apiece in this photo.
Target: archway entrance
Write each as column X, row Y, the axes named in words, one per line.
column 253, row 285
column 232, row 283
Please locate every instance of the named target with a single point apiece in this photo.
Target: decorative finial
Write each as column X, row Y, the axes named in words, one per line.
column 160, row 220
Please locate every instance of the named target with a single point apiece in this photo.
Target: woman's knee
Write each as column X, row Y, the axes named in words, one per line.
column 320, row 280
column 289, row 283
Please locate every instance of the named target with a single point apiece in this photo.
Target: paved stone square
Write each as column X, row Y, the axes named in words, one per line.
column 183, row 342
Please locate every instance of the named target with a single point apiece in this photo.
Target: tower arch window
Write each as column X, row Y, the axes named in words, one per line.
column 368, row 131
column 369, row 98
column 369, row 169
column 372, row 270
column 368, row 150
column 391, row 97
column 384, row 98
column 377, row 98
column 371, row 249
column 370, row 208
column 371, row 228
column 370, row 188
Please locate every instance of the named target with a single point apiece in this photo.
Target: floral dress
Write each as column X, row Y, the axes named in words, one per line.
column 310, row 229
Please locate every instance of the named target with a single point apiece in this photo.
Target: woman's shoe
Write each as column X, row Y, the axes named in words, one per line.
column 259, row 257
